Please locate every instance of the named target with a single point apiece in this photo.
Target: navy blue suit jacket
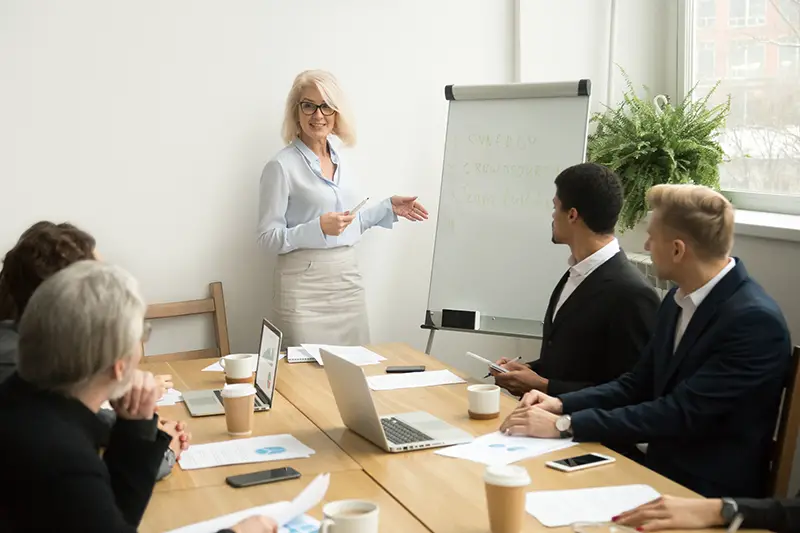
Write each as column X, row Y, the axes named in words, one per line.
column 708, row 410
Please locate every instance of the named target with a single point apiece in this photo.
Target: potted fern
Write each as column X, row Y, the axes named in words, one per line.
column 648, row 143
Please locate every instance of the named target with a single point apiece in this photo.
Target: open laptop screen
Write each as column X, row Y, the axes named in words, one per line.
column 268, row 351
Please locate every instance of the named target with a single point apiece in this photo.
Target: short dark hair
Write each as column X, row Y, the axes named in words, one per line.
column 595, row 192
column 43, row 249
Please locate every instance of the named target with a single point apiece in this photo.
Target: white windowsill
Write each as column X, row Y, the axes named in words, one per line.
column 768, row 225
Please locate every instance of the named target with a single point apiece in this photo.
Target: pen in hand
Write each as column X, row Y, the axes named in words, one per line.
column 512, row 361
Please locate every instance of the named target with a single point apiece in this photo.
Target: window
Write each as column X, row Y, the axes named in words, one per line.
column 706, row 13
column 746, row 59
column 747, row 12
column 706, row 62
column 789, row 57
column 760, row 71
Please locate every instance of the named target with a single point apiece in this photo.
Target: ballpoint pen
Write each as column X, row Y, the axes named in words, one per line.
column 512, row 361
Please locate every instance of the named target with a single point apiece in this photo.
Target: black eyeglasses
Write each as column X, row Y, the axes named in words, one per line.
column 309, row 108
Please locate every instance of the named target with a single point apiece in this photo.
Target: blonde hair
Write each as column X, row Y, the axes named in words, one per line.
column 697, row 213
column 333, row 95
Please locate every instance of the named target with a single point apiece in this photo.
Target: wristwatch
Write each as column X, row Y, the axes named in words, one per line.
column 564, row 426
column 169, row 455
column 729, row 510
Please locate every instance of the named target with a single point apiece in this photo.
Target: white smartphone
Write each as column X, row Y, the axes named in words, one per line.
column 493, row 366
column 580, row 462
column 359, row 206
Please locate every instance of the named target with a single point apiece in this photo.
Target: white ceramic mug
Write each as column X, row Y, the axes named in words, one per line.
column 484, row 401
column 238, row 365
column 350, row 516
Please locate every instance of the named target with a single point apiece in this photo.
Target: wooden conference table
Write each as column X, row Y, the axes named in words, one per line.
column 417, row 491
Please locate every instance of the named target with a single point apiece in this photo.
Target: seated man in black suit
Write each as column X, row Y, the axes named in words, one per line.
column 706, row 391
column 80, row 344
column 584, row 344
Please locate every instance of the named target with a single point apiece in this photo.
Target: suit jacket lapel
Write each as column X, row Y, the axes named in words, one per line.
column 584, row 291
column 548, row 316
column 702, row 316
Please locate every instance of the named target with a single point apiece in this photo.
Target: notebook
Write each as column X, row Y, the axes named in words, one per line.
column 298, row 355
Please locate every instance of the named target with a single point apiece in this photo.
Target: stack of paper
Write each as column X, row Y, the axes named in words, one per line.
column 253, row 450
column 291, row 516
column 499, row 449
column 556, row 508
column 170, row 397
column 413, row 380
column 358, row 355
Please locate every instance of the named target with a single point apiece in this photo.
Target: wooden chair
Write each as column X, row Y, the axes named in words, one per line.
column 214, row 304
column 788, row 429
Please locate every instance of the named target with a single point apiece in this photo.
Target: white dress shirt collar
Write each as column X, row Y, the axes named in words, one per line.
column 694, row 299
column 313, row 159
column 585, row 267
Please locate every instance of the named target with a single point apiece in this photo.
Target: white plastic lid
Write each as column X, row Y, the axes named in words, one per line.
column 238, row 390
column 507, row 476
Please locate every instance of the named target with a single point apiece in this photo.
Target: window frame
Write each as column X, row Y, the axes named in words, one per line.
column 751, row 201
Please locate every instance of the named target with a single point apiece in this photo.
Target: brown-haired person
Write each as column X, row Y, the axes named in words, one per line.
column 706, row 390
column 41, row 251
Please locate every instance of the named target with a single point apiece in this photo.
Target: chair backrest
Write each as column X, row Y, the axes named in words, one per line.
column 214, row 305
column 788, row 429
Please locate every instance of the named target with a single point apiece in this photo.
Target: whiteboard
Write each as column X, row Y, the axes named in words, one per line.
column 505, row 146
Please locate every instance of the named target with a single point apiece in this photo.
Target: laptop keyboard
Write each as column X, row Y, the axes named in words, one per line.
column 398, row 432
column 258, row 402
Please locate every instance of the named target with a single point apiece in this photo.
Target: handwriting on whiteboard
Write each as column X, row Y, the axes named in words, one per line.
column 502, row 169
column 501, row 140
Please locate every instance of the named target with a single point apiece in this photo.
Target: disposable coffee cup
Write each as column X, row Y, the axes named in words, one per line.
column 505, row 497
column 484, row 401
column 239, row 402
column 350, row 516
column 238, row 367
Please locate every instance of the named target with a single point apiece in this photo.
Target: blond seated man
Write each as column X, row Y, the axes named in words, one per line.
column 706, row 390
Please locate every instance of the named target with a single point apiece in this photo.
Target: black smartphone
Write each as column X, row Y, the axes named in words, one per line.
column 404, row 369
column 265, row 476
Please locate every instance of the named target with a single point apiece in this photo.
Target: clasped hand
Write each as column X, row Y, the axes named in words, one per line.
column 535, row 416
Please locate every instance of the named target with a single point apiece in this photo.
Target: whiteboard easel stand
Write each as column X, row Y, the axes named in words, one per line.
column 490, row 325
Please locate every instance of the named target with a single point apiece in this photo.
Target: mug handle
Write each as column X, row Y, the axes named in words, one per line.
column 324, row 525
column 222, row 363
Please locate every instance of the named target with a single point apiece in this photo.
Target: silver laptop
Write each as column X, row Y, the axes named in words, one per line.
column 209, row 402
column 393, row 433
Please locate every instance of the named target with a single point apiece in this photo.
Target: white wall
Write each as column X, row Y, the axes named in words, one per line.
column 148, row 124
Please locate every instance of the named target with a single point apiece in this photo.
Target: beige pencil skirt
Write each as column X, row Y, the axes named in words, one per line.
column 318, row 298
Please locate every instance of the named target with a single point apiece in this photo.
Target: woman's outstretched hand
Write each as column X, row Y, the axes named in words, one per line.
column 409, row 208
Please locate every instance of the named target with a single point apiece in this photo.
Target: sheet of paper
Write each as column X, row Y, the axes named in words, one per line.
column 358, row 355
column 170, row 397
column 413, row 380
column 290, row 515
column 305, row 501
column 556, row 508
column 216, row 367
column 296, row 354
column 253, row 450
column 499, row 449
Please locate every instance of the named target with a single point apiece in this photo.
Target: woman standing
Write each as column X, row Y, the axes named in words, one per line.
column 305, row 218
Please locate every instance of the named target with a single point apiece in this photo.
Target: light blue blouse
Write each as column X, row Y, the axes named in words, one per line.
column 294, row 194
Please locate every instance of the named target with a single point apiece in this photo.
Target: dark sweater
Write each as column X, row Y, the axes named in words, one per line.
column 49, row 455
column 8, row 365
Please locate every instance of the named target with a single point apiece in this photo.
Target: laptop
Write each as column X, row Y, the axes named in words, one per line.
column 393, row 433
column 209, row 402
